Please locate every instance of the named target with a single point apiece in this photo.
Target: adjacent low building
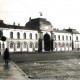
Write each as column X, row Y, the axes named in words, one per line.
column 38, row 35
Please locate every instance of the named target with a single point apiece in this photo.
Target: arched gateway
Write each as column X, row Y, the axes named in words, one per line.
column 46, row 42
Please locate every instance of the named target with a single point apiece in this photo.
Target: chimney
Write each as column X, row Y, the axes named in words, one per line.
column 1, row 21
column 30, row 19
column 18, row 24
column 14, row 23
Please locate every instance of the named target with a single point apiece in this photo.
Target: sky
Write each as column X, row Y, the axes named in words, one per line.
column 61, row 13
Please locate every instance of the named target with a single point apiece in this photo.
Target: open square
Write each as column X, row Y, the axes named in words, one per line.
column 54, row 65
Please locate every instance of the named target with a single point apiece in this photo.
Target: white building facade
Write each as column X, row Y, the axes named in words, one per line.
column 18, row 40
column 38, row 35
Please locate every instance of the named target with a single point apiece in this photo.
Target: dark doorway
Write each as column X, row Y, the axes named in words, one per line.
column 47, row 42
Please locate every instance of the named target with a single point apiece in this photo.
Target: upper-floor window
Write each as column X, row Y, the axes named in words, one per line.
column 1, row 34
column 70, row 37
column 11, row 34
column 24, row 35
column 62, row 37
column 30, row 36
column 58, row 37
column 76, row 38
column 18, row 35
column 66, row 37
column 54, row 37
column 36, row 36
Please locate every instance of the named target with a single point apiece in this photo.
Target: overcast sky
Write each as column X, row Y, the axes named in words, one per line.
column 61, row 13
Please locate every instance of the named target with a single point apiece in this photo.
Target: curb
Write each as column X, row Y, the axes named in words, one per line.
column 23, row 74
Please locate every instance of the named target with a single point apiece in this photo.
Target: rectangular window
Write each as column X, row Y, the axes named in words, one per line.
column 76, row 38
column 54, row 37
column 36, row 36
column 11, row 35
column 70, row 37
column 30, row 35
column 66, row 37
column 18, row 35
column 62, row 37
column 58, row 37
column 24, row 35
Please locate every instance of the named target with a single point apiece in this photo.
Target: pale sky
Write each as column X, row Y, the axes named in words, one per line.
column 61, row 13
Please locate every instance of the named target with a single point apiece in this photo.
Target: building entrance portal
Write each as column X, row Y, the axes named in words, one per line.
column 46, row 42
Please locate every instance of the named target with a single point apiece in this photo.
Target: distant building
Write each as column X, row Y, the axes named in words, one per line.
column 38, row 35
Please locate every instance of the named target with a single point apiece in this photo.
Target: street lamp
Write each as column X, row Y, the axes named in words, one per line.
column 3, row 38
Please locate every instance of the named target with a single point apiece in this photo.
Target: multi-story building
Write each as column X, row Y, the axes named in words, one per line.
column 38, row 35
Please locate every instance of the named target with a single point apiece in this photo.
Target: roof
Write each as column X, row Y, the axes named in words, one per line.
column 74, row 31
column 60, row 31
column 3, row 25
column 35, row 24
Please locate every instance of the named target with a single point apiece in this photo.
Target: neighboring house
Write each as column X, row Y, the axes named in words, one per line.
column 62, row 40
column 38, row 35
column 75, row 38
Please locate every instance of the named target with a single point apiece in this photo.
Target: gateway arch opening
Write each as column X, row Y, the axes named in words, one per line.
column 47, row 42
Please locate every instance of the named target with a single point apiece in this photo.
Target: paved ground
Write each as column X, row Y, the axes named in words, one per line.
column 52, row 70
column 12, row 72
column 54, row 65
column 39, row 56
column 38, row 64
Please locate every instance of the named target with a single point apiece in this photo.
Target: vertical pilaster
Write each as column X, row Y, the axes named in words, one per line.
column 42, row 45
column 51, row 41
column 21, row 47
column 1, row 48
column 72, row 42
column 15, row 47
column 41, row 42
column 33, row 47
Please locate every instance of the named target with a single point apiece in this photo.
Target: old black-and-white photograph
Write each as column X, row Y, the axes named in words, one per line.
column 39, row 40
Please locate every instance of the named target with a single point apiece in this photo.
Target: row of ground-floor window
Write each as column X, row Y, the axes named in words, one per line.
column 54, row 46
column 51, row 45
column 38, row 46
column 20, row 46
